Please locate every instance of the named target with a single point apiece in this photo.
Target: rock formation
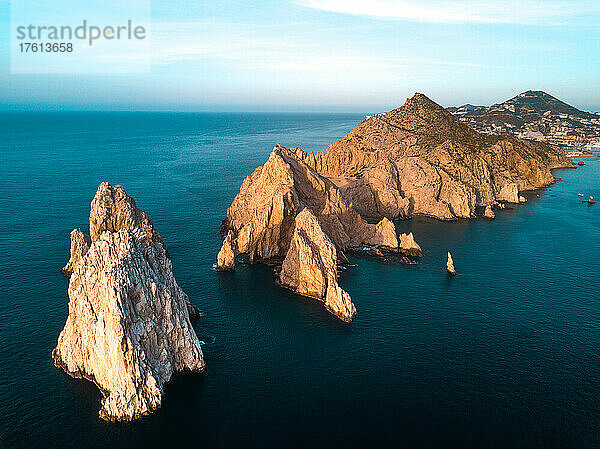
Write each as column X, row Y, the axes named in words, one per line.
column 226, row 257
column 80, row 244
column 415, row 160
column 262, row 222
column 310, row 267
column 408, row 246
column 112, row 209
column 420, row 160
column 129, row 327
column 450, row 265
column 489, row 213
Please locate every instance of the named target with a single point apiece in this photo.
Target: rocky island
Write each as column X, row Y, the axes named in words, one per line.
column 288, row 214
column 303, row 211
column 129, row 327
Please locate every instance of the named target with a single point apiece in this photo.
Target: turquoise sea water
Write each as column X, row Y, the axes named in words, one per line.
column 507, row 354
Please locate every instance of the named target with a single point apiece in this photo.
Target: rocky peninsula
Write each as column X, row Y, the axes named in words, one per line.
column 303, row 211
column 421, row 160
column 129, row 327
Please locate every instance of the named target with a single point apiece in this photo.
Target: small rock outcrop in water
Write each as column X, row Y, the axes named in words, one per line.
column 226, row 257
column 310, row 267
column 409, row 246
column 450, row 265
column 489, row 213
column 273, row 209
column 129, row 327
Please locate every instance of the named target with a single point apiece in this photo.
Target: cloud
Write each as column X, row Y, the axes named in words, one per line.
column 359, row 61
column 257, row 52
column 173, row 43
column 525, row 12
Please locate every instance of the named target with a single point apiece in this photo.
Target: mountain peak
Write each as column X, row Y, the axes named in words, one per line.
column 535, row 94
column 530, row 110
column 424, row 119
column 419, row 105
column 421, row 101
column 540, row 93
column 538, row 101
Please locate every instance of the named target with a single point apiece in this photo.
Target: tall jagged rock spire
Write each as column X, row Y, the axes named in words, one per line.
column 310, row 267
column 129, row 327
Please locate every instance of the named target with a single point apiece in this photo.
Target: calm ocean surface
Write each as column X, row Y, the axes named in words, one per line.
column 507, row 354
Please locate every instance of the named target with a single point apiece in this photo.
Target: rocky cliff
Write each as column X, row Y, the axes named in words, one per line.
column 112, row 209
column 310, row 267
column 287, row 213
column 420, row 160
column 129, row 327
column 305, row 210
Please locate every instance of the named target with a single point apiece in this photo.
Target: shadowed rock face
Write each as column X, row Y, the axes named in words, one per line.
column 128, row 328
column 420, row 160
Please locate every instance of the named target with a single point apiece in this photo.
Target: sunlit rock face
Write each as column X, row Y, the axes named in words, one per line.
column 310, row 267
column 128, row 328
column 415, row 160
column 80, row 244
column 450, row 265
column 420, row 160
column 112, row 209
column 409, row 246
column 269, row 216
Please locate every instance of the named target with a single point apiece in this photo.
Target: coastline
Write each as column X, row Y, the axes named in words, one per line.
column 420, row 338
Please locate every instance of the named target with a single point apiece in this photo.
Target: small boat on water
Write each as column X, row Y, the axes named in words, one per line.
column 580, row 194
column 590, row 200
column 580, row 163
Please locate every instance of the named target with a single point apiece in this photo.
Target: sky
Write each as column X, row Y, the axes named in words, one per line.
column 331, row 56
